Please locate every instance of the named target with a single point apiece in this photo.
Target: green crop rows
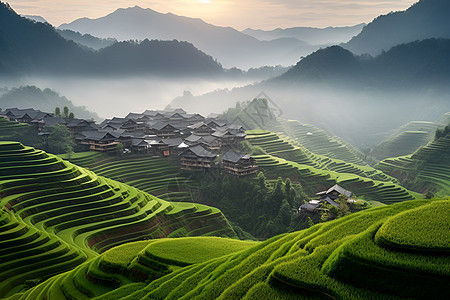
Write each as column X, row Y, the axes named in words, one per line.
column 340, row 259
column 150, row 174
column 319, row 142
column 427, row 169
column 316, row 172
column 55, row 215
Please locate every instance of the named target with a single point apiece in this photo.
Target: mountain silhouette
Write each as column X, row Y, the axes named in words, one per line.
column 310, row 35
column 33, row 48
column 412, row 65
column 229, row 46
column 423, row 20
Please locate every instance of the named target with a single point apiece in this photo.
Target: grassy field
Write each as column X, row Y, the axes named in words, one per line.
column 55, row 215
column 341, row 259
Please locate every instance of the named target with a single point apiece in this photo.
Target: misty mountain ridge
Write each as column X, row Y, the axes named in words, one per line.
column 229, row 46
column 310, row 35
column 414, row 65
column 45, row 100
column 424, row 19
column 28, row 47
column 353, row 96
column 86, row 40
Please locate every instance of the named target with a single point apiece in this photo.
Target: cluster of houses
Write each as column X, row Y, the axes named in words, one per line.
column 194, row 138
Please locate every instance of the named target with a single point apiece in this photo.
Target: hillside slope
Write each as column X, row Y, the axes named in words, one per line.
column 360, row 256
column 24, row 52
column 231, row 47
column 423, row 20
column 313, row 36
column 317, row 172
column 427, row 170
column 56, row 210
column 409, row 137
column 42, row 99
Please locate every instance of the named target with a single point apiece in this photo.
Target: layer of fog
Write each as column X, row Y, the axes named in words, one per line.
column 362, row 117
column 110, row 97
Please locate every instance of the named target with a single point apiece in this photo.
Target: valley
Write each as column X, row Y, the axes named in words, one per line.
column 148, row 153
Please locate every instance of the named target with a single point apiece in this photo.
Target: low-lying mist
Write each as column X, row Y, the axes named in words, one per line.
column 110, row 97
column 362, row 117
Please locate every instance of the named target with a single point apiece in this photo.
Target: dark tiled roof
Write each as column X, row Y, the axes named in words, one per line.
column 331, row 201
column 97, row 135
column 200, row 151
column 309, row 206
column 336, row 188
column 340, row 190
column 234, row 156
column 198, row 125
column 134, row 116
column 173, row 142
column 160, row 125
column 52, row 121
column 138, row 142
column 193, row 138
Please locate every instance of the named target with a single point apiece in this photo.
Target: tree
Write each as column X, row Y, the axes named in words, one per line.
column 119, row 149
column 57, row 112
column 60, row 140
column 262, row 180
column 65, row 112
column 71, row 116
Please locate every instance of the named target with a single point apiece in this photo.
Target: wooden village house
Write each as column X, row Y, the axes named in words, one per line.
column 197, row 158
column 239, row 164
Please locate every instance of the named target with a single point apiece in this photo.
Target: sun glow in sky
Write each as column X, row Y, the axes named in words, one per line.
column 240, row 14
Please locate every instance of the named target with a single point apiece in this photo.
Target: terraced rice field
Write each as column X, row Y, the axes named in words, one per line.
column 55, row 215
column 347, row 258
column 430, row 165
column 10, row 129
column 317, row 172
column 319, row 142
column 406, row 140
column 150, row 174
column 314, row 180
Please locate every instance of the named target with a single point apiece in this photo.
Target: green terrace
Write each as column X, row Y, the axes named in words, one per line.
column 64, row 214
column 360, row 256
column 404, row 143
column 429, row 167
column 9, row 129
column 150, row 174
column 314, row 180
column 316, row 172
column 319, row 142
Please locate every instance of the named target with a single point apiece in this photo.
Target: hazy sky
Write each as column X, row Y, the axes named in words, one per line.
column 240, row 14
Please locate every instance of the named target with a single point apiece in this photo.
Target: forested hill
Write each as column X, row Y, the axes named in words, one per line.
column 28, row 47
column 44, row 100
column 425, row 19
column 416, row 64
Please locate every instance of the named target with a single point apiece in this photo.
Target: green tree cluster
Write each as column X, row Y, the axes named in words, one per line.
column 67, row 115
column 442, row 132
column 60, row 140
column 261, row 208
